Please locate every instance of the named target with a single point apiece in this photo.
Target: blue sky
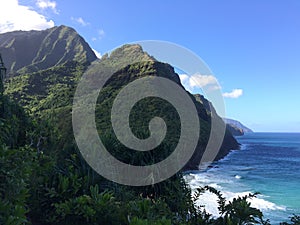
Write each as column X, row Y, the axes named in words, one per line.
column 252, row 46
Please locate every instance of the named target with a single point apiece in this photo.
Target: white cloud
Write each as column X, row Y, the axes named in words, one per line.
column 81, row 21
column 185, row 82
column 235, row 93
column 18, row 17
column 199, row 81
column 183, row 78
column 45, row 4
column 98, row 54
column 209, row 82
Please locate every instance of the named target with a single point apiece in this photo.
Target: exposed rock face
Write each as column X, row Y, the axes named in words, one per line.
column 31, row 51
column 236, row 127
column 235, row 131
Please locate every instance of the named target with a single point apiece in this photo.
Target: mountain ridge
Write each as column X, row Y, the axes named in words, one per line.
column 48, row 92
column 31, row 51
column 236, row 127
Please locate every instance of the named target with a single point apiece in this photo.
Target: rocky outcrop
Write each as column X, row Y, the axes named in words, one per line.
column 236, row 127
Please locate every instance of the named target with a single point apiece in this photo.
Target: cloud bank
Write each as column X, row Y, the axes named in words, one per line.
column 14, row 16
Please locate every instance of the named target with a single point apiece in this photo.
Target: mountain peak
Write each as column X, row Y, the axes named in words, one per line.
column 30, row 51
column 132, row 52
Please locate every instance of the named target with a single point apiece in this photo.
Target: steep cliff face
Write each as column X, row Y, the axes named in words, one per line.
column 235, row 131
column 146, row 109
column 31, row 51
column 236, row 127
column 55, row 59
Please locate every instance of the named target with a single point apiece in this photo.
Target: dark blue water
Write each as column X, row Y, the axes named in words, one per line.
column 268, row 163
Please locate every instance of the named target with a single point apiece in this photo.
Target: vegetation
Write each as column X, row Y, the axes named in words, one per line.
column 32, row 51
column 44, row 179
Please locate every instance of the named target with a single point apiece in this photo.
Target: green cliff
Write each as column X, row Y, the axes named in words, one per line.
column 31, row 51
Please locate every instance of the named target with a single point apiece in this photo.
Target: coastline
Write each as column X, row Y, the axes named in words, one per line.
column 229, row 144
column 234, row 176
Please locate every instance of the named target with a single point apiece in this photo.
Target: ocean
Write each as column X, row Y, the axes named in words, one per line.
column 268, row 163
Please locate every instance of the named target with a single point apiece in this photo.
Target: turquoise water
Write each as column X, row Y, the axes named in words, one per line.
column 268, row 163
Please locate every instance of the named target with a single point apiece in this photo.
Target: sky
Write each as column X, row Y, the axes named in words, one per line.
column 252, row 47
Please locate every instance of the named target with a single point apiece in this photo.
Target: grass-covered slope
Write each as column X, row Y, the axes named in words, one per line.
column 49, row 94
column 31, row 51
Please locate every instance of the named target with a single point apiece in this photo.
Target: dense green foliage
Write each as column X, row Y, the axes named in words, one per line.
column 15, row 162
column 45, row 181
column 14, row 123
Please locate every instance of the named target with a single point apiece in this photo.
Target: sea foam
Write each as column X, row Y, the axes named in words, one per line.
column 209, row 200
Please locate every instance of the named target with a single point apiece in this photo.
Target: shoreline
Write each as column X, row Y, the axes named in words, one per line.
column 210, row 164
column 234, row 176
